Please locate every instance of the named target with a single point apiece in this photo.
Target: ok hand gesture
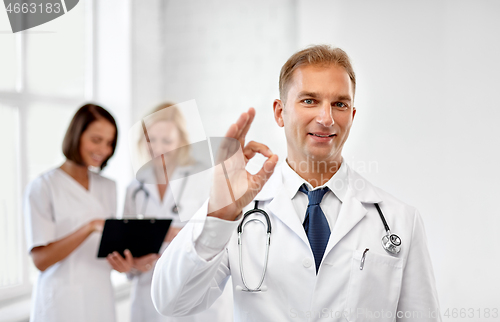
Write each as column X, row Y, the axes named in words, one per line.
column 233, row 187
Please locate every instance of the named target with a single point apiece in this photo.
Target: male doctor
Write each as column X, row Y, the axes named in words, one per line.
column 326, row 259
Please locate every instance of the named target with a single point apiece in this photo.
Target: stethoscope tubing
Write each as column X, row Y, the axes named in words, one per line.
column 390, row 242
column 146, row 197
column 241, row 228
column 386, row 226
column 175, row 208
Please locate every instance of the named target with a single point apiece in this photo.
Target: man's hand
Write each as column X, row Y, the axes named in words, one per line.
column 231, row 179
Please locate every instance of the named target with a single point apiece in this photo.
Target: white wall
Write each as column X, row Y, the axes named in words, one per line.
column 426, row 99
column 227, row 55
column 428, row 109
column 113, row 81
column 147, row 54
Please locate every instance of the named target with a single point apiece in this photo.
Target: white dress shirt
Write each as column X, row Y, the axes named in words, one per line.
column 332, row 200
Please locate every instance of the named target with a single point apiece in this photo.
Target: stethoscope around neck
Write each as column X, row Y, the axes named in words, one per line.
column 390, row 242
column 241, row 228
column 175, row 207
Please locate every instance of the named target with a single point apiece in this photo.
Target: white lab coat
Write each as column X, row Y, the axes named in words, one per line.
column 78, row 288
column 339, row 292
column 193, row 196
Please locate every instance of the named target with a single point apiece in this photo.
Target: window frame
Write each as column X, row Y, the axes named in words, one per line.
column 20, row 98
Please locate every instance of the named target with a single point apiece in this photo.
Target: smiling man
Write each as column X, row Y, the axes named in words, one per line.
column 319, row 97
column 309, row 239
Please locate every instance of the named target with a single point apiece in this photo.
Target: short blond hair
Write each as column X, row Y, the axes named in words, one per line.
column 314, row 55
column 170, row 113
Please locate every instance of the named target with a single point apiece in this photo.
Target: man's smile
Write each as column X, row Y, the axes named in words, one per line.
column 321, row 136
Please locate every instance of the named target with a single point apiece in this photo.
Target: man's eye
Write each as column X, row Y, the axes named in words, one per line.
column 340, row 105
column 308, row 101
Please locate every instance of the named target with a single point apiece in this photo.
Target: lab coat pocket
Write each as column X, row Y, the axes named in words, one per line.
column 373, row 291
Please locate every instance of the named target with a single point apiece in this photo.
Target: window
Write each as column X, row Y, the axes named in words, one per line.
column 11, row 269
column 46, row 74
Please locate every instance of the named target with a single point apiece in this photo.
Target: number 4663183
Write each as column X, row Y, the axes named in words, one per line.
column 34, row 8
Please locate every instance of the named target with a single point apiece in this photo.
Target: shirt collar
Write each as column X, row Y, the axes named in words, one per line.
column 338, row 183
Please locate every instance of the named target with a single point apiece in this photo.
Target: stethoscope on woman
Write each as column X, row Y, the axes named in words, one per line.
column 390, row 242
column 175, row 207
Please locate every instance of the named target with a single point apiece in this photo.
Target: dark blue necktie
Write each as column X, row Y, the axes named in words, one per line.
column 315, row 224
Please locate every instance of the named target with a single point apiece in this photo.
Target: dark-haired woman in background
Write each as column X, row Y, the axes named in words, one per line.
column 65, row 209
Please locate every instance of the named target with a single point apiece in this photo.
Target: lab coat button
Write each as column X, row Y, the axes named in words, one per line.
column 307, row 263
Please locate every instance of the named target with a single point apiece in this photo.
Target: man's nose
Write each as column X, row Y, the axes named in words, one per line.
column 325, row 116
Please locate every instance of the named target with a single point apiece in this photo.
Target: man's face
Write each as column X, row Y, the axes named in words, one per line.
column 318, row 113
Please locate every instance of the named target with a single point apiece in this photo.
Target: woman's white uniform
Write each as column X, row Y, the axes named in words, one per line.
column 193, row 196
column 78, row 288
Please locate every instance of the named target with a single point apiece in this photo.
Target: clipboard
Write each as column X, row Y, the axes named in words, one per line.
column 140, row 236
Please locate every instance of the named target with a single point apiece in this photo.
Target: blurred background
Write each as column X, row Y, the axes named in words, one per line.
column 426, row 128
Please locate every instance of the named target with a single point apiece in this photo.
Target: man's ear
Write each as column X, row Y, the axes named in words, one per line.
column 353, row 112
column 278, row 112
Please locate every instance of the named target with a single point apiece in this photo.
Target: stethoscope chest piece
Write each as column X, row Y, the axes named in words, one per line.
column 391, row 243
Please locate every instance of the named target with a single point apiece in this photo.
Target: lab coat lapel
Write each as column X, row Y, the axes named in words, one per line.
column 351, row 213
column 281, row 206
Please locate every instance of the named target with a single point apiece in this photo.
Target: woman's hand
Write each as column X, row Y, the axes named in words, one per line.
column 146, row 262
column 48, row 255
column 172, row 232
column 120, row 264
column 96, row 225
